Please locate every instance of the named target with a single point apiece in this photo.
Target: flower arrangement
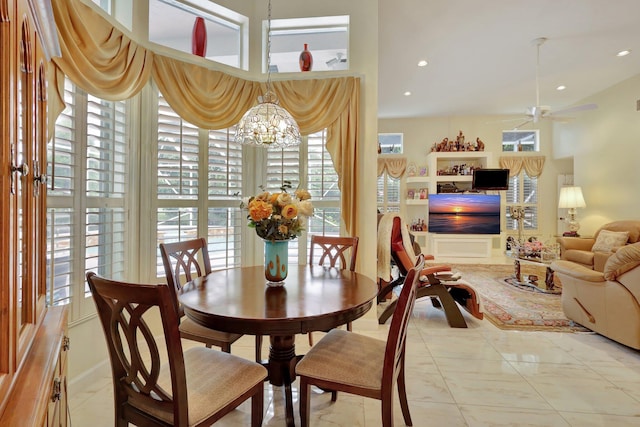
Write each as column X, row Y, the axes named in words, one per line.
column 279, row 216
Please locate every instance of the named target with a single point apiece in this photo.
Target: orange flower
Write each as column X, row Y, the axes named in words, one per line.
column 283, row 229
column 259, row 210
column 274, row 198
column 289, row 211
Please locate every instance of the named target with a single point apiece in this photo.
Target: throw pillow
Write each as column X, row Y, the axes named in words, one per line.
column 622, row 261
column 608, row 240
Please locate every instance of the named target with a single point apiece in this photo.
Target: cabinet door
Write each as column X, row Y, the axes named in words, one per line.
column 27, row 192
column 7, row 105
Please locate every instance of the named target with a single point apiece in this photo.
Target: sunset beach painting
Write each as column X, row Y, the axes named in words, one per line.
column 453, row 213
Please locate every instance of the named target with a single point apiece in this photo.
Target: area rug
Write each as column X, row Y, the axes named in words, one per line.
column 511, row 307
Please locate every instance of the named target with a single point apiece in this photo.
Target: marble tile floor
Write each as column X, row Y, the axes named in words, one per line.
column 479, row 376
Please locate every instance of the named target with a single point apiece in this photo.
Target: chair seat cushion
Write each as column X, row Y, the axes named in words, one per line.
column 579, row 256
column 347, row 358
column 192, row 329
column 213, row 381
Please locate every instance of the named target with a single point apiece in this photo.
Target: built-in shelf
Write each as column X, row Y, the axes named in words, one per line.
column 416, row 201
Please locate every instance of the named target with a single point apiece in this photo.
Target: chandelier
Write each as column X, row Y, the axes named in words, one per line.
column 268, row 124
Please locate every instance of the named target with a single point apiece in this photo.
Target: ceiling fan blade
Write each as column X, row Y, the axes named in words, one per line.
column 584, row 107
column 523, row 123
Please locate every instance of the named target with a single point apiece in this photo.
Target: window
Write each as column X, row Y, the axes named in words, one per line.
column 318, row 176
column 388, row 193
column 327, row 38
column 520, row 140
column 522, row 192
column 86, row 202
column 171, row 24
column 183, row 211
column 390, row 143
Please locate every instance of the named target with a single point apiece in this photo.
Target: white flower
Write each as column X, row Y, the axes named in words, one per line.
column 305, row 208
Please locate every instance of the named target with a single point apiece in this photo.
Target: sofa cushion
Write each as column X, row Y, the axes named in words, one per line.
column 608, row 240
column 622, row 261
column 630, row 225
column 578, row 256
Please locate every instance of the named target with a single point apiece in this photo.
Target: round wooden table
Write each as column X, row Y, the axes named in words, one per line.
column 314, row 298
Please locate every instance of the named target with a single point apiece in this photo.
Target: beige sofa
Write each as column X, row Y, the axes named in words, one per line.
column 581, row 250
column 606, row 302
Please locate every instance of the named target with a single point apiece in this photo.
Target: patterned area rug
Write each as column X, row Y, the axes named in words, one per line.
column 512, row 307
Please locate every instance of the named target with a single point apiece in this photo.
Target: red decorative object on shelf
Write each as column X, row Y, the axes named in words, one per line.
column 199, row 37
column 306, row 59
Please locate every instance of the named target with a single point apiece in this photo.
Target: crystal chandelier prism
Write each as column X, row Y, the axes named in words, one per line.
column 268, row 124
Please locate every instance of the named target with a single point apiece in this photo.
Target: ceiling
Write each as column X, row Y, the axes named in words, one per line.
column 482, row 55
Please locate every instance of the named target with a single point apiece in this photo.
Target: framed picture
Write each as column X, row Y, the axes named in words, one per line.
column 423, row 171
column 411, row 194
column 423, row 193
column 412, row 170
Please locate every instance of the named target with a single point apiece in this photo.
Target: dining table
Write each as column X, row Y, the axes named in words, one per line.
column 312, row 298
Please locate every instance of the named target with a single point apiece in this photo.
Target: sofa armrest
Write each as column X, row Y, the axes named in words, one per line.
column 579, row 243
column 577, row 271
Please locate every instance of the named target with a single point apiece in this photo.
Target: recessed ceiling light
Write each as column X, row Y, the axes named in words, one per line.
column 561, row 87
column 407, row 93
column 623, row 53
column 422, row 63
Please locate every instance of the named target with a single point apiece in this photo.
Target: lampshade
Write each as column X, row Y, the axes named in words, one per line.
column 268, row 124
column 571, row 197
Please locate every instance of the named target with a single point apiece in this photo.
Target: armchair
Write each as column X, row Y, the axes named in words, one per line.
column 394, row 244
column 581, row 250
column 608, row 301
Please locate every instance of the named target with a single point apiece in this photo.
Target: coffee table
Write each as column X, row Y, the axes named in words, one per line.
column 531, row 284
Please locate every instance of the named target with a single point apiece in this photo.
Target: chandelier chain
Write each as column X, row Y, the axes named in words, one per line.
column 269, row 49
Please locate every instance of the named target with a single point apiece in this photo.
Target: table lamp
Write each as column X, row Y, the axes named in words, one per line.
column 571, row 198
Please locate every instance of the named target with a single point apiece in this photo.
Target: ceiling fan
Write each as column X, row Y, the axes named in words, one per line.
column 537, row 112
column 339, row 62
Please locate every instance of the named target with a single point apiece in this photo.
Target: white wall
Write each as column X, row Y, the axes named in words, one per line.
column 605, row 147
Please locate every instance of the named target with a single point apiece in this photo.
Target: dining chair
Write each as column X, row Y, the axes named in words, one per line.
column 180, row 261
column 333, row 250
column 155, row 382
column 362, row 365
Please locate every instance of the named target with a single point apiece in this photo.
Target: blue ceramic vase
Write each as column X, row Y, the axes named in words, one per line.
column 276, row 256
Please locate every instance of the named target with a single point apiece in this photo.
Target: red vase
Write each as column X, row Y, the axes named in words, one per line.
column 199, row 37
column 306, row 59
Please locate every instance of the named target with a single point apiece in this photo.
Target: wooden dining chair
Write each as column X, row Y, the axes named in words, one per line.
column 180, row 261
column 333, row 250
column 361, row 365
column 154, row 381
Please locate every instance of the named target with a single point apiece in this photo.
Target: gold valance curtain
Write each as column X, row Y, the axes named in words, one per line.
column 532, row 165
column 395, row 166
column 102, row 60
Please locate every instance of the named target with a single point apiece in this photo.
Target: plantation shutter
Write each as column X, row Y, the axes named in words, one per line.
column 86, row 199
column 225, row 219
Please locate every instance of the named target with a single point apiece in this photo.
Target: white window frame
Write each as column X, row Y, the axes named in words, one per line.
column 80, row 247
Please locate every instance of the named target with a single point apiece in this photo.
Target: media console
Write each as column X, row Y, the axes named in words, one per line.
column 462, row 246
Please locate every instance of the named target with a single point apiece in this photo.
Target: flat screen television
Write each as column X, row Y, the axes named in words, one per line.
column 490, row 179
column 454, row 213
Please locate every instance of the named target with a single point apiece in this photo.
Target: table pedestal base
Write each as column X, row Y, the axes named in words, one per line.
column 282, row 369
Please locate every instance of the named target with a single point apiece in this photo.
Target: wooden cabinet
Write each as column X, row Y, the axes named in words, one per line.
column 31, row 335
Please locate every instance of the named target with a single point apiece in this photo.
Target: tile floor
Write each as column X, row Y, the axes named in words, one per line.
column 479, row 376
